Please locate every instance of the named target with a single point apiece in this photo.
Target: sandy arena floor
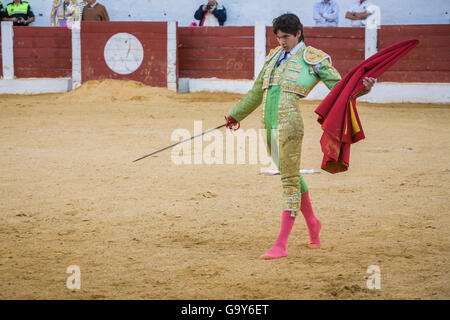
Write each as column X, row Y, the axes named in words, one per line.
column 70, row 195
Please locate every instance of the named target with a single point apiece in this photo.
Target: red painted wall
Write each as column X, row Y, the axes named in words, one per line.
column 344, row 45
column 221, row 52
column 42, row 52
column 152, row 35
column 428, row 62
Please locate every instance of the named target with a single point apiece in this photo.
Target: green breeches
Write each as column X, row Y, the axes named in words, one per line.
column 284, row 128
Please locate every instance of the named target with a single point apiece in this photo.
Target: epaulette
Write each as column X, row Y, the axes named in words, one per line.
column 314, row 56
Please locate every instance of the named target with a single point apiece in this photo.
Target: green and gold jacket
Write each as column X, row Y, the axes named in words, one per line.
column 298, row 75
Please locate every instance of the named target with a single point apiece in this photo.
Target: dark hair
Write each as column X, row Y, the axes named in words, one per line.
column 288, row 23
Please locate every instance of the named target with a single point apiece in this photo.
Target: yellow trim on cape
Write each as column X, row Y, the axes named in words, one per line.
column 355, row 126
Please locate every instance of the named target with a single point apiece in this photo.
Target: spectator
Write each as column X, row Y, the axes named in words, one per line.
column 2, row 10
column 82, row 4
column 326, row 13
column 211, row 14
column 358, row 13
column 19, row 12
column 94, row 11
column 64, row 12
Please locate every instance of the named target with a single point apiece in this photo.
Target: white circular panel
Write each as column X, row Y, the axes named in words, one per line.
column 123, row 53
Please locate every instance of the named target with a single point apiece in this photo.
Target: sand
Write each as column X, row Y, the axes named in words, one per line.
column 70, row 195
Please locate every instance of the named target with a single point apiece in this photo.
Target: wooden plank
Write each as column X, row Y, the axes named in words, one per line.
column 333, row 32
column 328, row 43
column 41, row 32
column 148, row 45
column 412, row 31
column 149, row 71
column 435, row 41
column 427, row 54
column 36, row 42
column 43, row 63
column 233, row 42
column 154, row 68
column 219, row 65
column 343, row 66
column 421, row 65
column 413, row 76
column 228, row 31
column 142, row 36
column 346, row 54
column 46, row 53
column 123, row 26
column 196, row 74
column 210, row 53
column 147, row 78
column 96, row 58
column 23, row 72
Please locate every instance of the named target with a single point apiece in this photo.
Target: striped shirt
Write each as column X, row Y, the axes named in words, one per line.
column 82, row 5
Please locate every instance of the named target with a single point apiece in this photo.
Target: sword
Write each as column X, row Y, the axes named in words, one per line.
column 175, row 144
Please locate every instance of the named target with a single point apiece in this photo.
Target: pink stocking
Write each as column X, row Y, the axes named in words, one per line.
column 279, row 248
column 313, row 224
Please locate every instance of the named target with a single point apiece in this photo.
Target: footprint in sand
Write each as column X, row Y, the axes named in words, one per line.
column 208, row 194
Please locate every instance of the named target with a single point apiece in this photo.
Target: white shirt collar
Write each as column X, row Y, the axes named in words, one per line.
column 296, row 48
column 283, row 56
column 93, row 5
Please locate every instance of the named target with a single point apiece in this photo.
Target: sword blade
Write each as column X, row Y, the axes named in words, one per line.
column 175, row 144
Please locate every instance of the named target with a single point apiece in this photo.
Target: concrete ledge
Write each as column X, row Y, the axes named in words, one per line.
column 394, row 92
column 384, row 92
column 217, row 85
column 35, row 85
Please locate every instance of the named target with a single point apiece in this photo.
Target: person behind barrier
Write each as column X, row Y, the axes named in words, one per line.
column 2, row 10
column 64, row 12
column 358, row 13
column 82, row 4
column 211, row 14
column 19, row 12
column 94, row 11
column 326, row 13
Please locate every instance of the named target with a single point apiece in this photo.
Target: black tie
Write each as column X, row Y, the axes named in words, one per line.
column 282, row 59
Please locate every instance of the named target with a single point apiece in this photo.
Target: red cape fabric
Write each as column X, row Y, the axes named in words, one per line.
column 337, row 112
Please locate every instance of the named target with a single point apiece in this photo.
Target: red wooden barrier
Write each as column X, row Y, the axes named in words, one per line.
column 221, row 52
column 344, row 45
column 42, row 52
column 153, row 37
column 428, row 62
